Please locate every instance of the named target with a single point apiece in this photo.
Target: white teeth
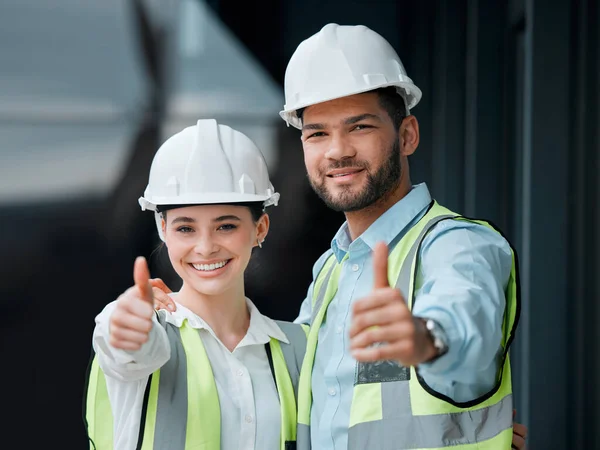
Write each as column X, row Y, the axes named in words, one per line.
column 343, row 174
column 208, row 267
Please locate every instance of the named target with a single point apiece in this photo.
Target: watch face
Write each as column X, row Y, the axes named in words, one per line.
column 437, row 336
column 439, row 344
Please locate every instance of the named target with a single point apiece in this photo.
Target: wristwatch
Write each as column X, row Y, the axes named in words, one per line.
column 438, row 336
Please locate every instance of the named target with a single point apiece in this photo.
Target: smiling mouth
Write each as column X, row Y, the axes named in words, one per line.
column 210, row 267
column 345, row 174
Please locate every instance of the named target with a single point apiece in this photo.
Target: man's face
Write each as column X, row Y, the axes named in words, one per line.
column 351, row 151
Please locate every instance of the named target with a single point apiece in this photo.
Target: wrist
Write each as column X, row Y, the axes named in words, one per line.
column 436, row 342
column 428, row 351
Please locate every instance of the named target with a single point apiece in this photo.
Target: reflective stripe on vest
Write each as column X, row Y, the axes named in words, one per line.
column 392, row 407
column 169, row 421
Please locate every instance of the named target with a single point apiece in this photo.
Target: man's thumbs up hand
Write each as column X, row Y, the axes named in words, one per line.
column 131, row 321
column 380, row 267
column 383, row 317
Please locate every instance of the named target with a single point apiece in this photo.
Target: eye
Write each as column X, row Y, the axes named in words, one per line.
column 362, row 126
column 227, row 227
column 316, row 135
column 185, row 230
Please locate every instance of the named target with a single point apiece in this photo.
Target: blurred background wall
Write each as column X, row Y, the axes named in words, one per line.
column 89, row 90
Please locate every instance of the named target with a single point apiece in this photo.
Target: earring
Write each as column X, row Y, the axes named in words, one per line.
column 259, row 243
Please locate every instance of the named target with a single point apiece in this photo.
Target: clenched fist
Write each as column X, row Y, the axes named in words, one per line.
column 383, row 317
column 131, row 321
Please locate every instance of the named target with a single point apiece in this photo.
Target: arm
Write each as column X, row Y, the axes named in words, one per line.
column 464, row 269
column 129, row 341
column 306, row 308
column 129, row 365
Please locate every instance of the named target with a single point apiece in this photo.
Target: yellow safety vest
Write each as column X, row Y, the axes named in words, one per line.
column 181, row 408
column 392, row 406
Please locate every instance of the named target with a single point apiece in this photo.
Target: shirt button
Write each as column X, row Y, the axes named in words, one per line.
column 339, row 330
column 240, row 373
column 332, row 392
column 355, row 267
column 248, row 418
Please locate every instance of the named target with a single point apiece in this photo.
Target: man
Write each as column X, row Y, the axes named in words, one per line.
column 413, row 309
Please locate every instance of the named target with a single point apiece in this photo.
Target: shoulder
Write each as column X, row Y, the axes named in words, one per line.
column 464, row 234
column 465, row 248
column 179, row 316
column 318, row 265
column 291, row 329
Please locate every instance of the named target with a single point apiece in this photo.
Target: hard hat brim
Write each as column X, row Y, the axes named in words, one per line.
column 153, row 204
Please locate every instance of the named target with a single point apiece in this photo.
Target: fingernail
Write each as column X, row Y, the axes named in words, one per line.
column 171, row 307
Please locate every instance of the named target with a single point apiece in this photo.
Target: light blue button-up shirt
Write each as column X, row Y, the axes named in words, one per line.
column 462, row 275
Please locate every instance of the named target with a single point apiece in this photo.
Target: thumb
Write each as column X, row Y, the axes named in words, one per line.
column 141, row 277
column 380, row 266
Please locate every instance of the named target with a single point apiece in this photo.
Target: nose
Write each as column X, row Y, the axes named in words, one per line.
column 340, row 148
column 206, row 245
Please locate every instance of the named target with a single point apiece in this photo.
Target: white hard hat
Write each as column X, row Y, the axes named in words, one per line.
column 207, row 163
column 342, row 60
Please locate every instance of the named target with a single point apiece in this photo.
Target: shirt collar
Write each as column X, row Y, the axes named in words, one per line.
column 388, row 226
column 263, row 328
column 260, row 331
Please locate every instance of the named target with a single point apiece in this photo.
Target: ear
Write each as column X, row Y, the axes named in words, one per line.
column 409, row 135
column 262, row 227
column 163, row 225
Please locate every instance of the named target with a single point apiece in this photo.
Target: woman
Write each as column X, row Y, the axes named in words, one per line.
column 214, row 373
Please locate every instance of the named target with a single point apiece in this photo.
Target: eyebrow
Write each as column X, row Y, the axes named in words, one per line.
column 354, row 119
column 313, row 126
column 229, row 217
column 348, row 121
column 184, row 219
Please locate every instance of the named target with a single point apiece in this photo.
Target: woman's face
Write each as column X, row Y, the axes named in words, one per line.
column 210, row 245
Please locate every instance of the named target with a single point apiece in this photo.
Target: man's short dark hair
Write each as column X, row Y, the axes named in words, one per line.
column 389, row 99
column 393, row 103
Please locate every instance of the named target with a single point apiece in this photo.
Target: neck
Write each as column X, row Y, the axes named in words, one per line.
column 359, row 221
column 227, row 313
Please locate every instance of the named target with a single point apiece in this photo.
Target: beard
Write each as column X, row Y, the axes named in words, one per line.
column 379, row 183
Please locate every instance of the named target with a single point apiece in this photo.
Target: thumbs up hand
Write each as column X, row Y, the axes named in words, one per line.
column 383, row 317
column 131, row 321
